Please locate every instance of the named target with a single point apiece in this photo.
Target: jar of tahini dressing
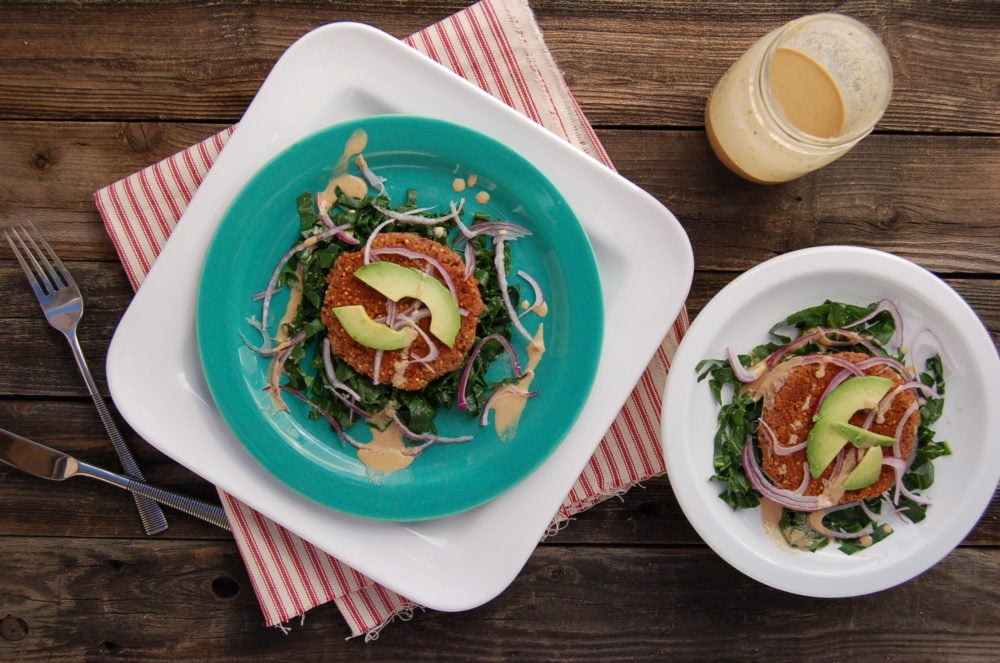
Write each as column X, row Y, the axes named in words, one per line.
column 800, row 97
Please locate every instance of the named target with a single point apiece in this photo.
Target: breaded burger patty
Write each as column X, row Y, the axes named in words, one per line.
column 396, row 366
column 789, row 407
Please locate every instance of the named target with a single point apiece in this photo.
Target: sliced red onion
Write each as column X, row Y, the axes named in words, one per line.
column 484, row 417
column 775, row 357
column 433, row 352
column 417, row 215
column 470, row 261
column 272, row 351
column 901, row 426
column 742, row 373
column 373, row 180
column 538, row 298
column 777, row 447
column 337, row 386
column 925, row 337
column 888, row 362
column 463, row 383
column 498, row 263
column 367, row 255
column 340, row 232
column 272, row 282
column 806, row 479
column 425, row 437
column 816, row 522
column 326, row 415
column 900, row 467
column 883, row 305
column 504, row 229
column 786, row 498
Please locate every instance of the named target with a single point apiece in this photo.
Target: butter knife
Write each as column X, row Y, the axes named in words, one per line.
column 48, row 463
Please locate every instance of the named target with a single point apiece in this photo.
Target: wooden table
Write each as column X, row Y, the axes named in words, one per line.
column 91, row 92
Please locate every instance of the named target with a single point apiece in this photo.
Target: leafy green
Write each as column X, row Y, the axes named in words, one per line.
column 304, row 369
column 737, row 421
column 740, row 412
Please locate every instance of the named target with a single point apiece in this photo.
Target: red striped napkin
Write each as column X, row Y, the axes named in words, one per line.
column 497, row 45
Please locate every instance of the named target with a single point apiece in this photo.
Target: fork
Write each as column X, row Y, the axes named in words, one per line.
column 62, row 303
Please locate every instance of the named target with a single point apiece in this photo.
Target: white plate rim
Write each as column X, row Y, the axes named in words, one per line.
column 686, row 429
column 453, row 563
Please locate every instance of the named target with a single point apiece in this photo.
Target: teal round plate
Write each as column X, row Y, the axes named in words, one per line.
column 427, row 155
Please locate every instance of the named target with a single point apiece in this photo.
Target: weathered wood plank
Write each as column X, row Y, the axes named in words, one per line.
column 655, row 63
column 946, row 187
column 645, row 515
column 42, row 365
column 164, row 601
column 137, row 60
column 84, row 507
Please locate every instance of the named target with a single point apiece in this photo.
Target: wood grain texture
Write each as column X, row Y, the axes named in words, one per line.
column 892, row 192
column 169, row 601
column 140, row 60
column 666, row 56
column 93, row 91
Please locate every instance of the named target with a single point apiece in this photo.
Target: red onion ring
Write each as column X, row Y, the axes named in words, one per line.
column 888, row 362
column 323, row 413
column 463, row 383
column 538, row 297
column 499, row 264
column 742, row 373
column 782, row 496
column 883, row 305
column 816, row 522
column 777, row 447
column 484, row 417
column 936, row 346
column 425, row 437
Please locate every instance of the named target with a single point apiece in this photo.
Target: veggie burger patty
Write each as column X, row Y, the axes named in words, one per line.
column 789, row 411
column 398, row 367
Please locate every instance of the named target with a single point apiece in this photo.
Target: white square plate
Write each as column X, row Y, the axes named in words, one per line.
column 346, row 71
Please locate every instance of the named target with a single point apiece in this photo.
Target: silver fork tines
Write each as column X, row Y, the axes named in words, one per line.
column 62, row 303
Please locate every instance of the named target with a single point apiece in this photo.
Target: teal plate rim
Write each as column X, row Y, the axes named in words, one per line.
column 304, row 453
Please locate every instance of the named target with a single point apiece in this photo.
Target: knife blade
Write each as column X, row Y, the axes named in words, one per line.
column 48, row 463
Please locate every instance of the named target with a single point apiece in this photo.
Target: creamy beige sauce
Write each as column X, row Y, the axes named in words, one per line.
column 385, row 452
column 350, row 185
column 806, row 93
column 509, row 403
column 770, row 518
column 276, row 369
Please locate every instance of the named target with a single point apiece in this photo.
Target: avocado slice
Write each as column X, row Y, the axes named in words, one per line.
column 398, row 282
column 867, row 471
column 861, row 437
column 367, row 332
column 825, row 441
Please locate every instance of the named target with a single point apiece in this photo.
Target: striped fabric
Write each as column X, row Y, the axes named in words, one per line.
column 497, row 45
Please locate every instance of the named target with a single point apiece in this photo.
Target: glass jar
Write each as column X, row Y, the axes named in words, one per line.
column 799, row 98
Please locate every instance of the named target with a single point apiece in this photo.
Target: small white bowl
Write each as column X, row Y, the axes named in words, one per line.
column 740, row 315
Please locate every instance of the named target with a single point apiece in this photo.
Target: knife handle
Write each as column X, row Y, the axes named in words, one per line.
column 203, row 510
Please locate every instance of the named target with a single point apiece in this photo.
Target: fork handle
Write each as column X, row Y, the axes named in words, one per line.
column 210, row 513
column 150, row 513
